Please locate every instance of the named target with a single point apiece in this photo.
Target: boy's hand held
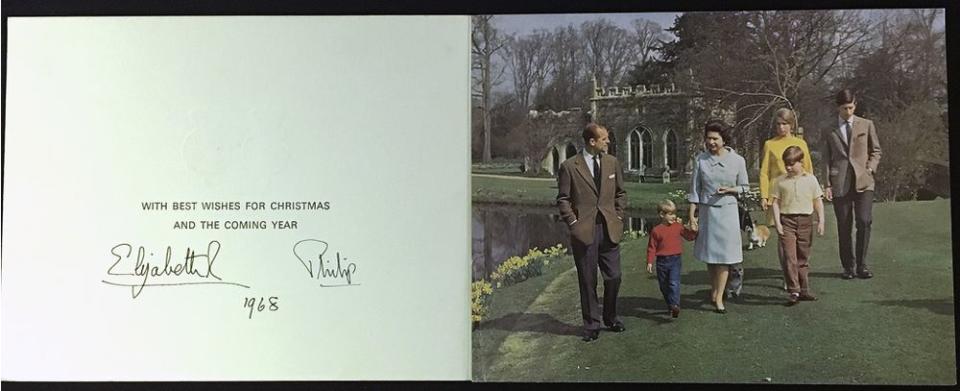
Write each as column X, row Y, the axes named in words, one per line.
column 650, row 268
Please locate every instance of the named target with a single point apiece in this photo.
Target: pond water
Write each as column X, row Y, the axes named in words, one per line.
column 502, row 231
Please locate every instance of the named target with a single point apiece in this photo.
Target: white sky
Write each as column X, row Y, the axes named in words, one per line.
column 524, row 24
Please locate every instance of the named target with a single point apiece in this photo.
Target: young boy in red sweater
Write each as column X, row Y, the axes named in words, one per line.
column 666, row 247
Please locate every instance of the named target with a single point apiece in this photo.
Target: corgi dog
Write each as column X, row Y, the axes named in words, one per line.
column 758, row 235
column 735, row 281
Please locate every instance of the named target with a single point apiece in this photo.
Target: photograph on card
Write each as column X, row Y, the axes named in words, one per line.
column 719, row 197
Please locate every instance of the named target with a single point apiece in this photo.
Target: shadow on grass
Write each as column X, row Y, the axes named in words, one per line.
column 540, row 323
column 747, row 285
column 937, row 306
column 702, row 277
column 824, row 275
column 751, row 275
column 655, row 308
column 753, row 299
column 648, row 308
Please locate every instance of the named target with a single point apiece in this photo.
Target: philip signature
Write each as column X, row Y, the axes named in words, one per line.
column 310, row 250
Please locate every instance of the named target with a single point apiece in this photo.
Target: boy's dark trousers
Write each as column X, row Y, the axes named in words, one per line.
column 668, row 275
column 795, row 242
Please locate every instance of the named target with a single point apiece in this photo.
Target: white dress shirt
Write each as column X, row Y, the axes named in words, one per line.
column 843, row 127
column 589, row 157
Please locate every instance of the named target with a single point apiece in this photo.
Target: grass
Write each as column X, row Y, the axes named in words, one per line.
column 897, row 328
column 543, row 192
column 499, row 167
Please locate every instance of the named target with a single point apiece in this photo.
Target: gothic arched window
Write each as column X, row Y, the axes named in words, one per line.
column 673, row 150
column 646, row 142
column 634, row 157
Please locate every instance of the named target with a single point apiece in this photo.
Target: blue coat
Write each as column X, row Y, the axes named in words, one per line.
column 719, row 239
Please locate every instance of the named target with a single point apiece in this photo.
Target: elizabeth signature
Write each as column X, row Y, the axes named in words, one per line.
column 193, row 265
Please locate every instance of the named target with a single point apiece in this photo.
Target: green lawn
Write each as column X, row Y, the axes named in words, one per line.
column 502, row 167
column 543, row 191
column 897, row 328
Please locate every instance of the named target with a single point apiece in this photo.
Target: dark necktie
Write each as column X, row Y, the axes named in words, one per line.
column 849, row 130
column 596, row 171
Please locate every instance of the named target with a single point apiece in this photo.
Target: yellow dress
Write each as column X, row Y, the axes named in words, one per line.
column 771, row 166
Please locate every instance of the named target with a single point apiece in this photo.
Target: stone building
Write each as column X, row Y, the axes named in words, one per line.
column 653, row 131
column 566, row 127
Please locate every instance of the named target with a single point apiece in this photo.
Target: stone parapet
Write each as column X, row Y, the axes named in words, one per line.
column 640, row 90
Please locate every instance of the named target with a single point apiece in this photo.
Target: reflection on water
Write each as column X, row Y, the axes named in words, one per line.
column 502, row 231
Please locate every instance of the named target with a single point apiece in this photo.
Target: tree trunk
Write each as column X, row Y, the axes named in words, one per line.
column 486, row 111
column 896, row 187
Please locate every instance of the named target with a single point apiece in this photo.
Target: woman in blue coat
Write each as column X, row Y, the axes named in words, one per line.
column 719, row 176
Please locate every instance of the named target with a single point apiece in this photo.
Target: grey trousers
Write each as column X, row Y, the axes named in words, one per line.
column 854, row 207
column 603, row 256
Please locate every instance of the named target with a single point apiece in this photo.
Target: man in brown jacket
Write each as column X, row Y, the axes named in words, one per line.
column 591, row 199
column 851, row 152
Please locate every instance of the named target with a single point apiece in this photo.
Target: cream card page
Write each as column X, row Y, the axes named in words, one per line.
column 236, row 198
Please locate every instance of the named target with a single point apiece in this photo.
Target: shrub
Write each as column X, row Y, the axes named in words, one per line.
column 517, row 269
column 751, row 199
column 631, row 234
column 678, row 196
column 480, row 291
column 513, row 270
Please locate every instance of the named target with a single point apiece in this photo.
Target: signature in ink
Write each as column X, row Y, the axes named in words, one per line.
column 194, row 266
column 330, row 272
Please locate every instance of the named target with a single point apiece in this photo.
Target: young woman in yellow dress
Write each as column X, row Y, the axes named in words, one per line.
column 771, row 165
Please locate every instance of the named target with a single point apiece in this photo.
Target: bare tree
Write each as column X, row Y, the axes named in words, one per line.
column 609, row 50
column 486, row 41
column 802, row 47
column 912, row 48
column 931, row 51
column 901, row 84
column 753, row 62
column 537, row 134
column 565, row 85
column 528, row 60
column 647, row 36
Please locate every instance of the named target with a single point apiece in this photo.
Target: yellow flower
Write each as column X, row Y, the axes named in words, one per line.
column 479, row 292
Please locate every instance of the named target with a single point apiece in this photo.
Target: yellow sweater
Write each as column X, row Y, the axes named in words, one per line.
column 771, row 166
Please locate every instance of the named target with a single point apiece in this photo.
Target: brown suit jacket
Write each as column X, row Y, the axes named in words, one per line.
column 863, row 152
column 579, row 201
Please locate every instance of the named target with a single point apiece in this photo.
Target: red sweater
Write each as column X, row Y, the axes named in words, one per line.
column 665, row 240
